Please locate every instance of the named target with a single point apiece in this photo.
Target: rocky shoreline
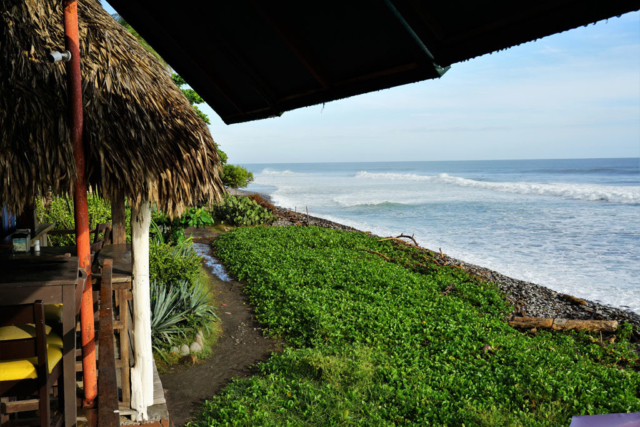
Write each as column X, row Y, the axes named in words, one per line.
column 528, row 299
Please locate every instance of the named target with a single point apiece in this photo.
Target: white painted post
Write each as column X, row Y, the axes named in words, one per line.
column 142, row 370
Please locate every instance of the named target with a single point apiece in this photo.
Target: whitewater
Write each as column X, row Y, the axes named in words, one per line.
column 570, row 225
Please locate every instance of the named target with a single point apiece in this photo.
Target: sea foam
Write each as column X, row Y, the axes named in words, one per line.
column 587, row 192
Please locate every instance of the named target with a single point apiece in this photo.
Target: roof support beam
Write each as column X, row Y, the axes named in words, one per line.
column 296, row 46
column 418, row 41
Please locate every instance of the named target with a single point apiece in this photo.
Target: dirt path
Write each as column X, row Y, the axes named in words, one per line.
column 240, row 346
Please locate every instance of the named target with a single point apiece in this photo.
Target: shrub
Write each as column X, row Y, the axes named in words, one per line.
column 262, row 202
column 241, row 211
column 172, row 231
column 196, row 217
column 59, row 210
column 173, row 264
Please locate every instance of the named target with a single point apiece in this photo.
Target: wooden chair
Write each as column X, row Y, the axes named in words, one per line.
column 30, row 364
column 99, row 242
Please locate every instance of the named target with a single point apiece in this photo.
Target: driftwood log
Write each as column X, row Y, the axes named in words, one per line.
column 564, row 324
column 573, row 300
column 399, row 239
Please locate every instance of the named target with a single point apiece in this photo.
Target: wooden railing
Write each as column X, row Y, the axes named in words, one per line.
column 108, row 411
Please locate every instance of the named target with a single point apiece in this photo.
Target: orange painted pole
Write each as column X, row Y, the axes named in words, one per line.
column 81, row 212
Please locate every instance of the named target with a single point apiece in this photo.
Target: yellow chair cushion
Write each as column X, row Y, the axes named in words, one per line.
column 53, row 313
column 9, row 333
column 12, row 370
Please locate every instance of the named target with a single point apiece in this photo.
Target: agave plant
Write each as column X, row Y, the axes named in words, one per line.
column 196, row 302
column 178, row 308
column 166, row 314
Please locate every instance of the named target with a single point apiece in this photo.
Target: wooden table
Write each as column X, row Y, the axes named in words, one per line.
column 47, row 251
column 52, row 280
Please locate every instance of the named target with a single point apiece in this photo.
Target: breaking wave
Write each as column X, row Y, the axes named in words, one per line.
column 280, row 173
column 588, row 192
column 386, row 204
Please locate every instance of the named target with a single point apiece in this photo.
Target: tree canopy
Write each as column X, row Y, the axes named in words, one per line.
column 236, row 176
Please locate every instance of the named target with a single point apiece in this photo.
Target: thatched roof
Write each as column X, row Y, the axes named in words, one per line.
column 140, row 132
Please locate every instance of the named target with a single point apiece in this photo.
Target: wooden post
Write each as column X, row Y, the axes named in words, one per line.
column 80, row 207
column 118, row 229
column 28, row 219
column 142, row 370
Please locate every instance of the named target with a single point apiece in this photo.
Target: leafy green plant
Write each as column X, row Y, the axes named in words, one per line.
column 241, row 211
column 374, row 339
column 196, row 217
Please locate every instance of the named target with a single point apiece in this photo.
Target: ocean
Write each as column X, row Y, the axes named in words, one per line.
column 570, row 225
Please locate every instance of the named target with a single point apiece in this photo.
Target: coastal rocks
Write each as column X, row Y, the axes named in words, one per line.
column 286, row 218
column 534, row 300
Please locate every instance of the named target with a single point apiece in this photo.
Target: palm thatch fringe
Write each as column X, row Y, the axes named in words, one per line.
column 140, row 133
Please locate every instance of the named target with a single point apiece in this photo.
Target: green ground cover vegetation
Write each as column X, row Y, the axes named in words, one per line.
column 375, row 339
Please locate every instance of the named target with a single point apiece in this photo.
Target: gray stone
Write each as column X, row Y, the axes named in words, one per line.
column 184, row 350
column 195, row 347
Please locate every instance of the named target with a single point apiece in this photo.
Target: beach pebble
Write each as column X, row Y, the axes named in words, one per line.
column 184, row 350
column 195, row 347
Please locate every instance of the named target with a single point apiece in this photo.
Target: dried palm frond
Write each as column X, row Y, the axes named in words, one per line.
column 140, row 133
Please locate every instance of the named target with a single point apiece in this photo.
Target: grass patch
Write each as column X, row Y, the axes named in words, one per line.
column 374, row 341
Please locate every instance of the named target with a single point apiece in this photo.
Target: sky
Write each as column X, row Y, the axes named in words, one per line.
column 570, row 95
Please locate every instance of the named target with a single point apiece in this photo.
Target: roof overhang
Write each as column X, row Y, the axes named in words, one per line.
column 253, row 59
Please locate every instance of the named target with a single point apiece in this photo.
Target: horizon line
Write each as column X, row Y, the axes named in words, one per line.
column 438, row 161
